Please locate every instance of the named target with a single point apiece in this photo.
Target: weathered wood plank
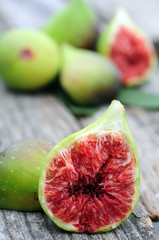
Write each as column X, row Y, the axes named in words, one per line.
column 45, row 116
column 30, row 226
column 24, row 116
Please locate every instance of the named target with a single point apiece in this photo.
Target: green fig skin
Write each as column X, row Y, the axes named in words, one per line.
column 113, row 121
column 87, row 77
column 74, row 24
column 20, row 168
column 105, row 41
column 29, row 59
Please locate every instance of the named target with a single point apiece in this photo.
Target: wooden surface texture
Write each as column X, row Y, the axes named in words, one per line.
column 43, row 115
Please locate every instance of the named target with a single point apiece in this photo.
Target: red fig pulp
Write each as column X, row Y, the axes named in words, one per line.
column 92, row 184
column 130, row 54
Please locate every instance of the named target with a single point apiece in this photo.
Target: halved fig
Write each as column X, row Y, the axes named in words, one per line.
column 90, row 181
column 129, row 48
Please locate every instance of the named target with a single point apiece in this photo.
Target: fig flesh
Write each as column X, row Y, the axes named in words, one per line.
column 75, row 24
column 87, row 77
column 90, row 181
column 20, row 167
column 29, row 59
column 129, row 49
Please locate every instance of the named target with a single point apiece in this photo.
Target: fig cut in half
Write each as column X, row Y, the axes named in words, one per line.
column 90, row 181
column 128, row 48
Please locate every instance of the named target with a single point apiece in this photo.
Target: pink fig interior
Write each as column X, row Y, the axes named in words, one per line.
column 92, row 184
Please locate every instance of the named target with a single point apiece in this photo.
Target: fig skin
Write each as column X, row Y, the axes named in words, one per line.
column 106, row 38
column 113, row 121
column 74, row 24
column 20, row 168
column 87, row 77
column 29, row 59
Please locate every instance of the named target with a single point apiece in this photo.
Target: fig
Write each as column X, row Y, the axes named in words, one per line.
column 90, row 181
column 74, row 24
column 29, row 59
column 87, row 77
column 129, row 49
column 20, row 167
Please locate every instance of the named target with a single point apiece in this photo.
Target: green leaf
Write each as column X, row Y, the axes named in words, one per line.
column 76, row 109
column 136, row 97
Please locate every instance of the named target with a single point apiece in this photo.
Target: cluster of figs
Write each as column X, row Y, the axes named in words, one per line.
column 31, row 59
column 90, row 181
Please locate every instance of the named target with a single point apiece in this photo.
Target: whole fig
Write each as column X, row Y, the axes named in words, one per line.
column 87, row 77
column 20, row 168
column 29, row 59
column 74, row 24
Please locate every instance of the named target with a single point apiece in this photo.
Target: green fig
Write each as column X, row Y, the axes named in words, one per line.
column 29, row 59
column 75, row 24
column 87, row 77
column 129, row 48
column 90, row 181
column 20, row 167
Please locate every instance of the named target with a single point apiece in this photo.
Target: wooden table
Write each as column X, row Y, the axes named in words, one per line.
column 45, row 116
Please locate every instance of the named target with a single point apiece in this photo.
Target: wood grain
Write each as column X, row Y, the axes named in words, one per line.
column 29, row 226
column 37, row 115
column 43, row 115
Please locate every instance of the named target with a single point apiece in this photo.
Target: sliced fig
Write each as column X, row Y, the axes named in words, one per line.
column 87, row 77
column 129, row 48
column 90, row 181
column 20, row 167
column 74, row 24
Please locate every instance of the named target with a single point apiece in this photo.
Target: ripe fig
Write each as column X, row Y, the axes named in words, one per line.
column 90, row 181
column 74, row 24
column 87, row 77
column 129, row 48
column 29, row 59
column 20, row 167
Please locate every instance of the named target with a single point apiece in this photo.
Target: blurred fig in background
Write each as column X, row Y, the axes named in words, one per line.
column 129, row 48
column 74, row 24
column 29, row 59
column 88, row 77
column 20, row 168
